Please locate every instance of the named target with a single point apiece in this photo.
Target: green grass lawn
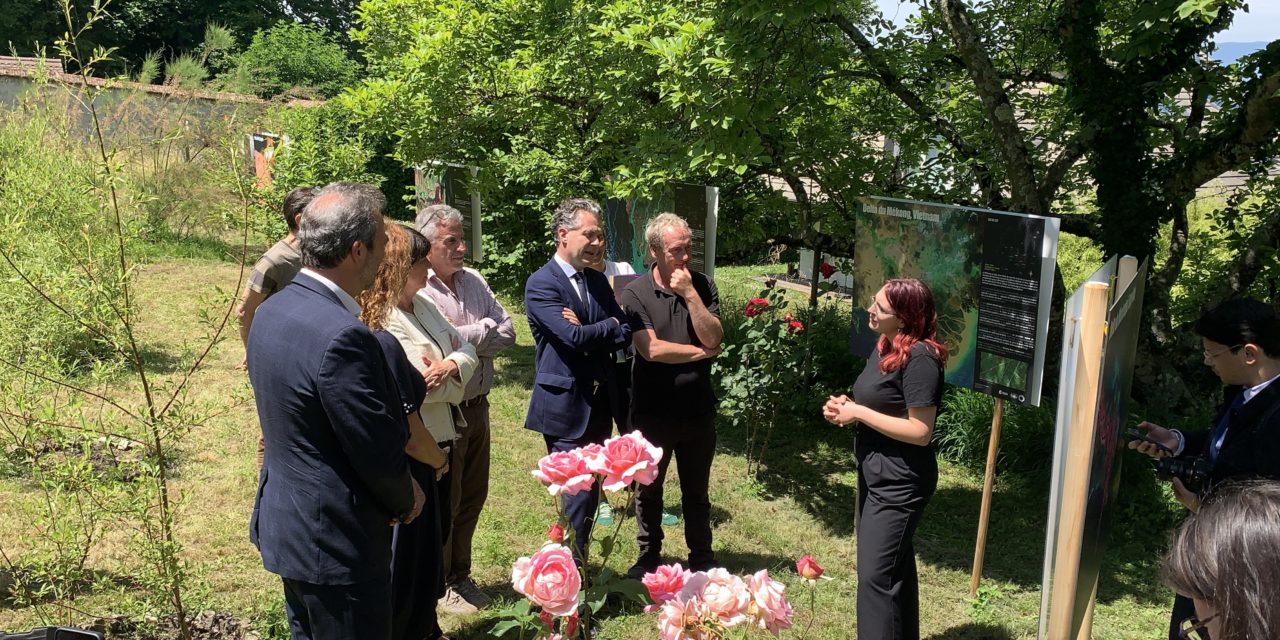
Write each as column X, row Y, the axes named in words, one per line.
column 802, row 504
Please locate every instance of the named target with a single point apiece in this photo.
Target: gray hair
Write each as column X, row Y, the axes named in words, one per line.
column 341, row 214
column 430, row 218
column 658, row 224
column 568, row 214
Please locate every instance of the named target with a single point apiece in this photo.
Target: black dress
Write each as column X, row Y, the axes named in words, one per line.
column 895, row 482
column 417, row 565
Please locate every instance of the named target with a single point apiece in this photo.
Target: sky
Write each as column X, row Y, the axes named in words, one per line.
column 1261, row 24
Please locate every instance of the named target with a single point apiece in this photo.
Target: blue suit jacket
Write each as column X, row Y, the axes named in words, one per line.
column 335, row 471
column 570, row 359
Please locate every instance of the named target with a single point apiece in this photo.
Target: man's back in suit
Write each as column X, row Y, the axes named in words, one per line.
column 335, row 473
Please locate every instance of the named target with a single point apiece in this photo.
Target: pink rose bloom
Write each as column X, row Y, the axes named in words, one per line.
column 665, row 582
column 808, row 568
column 626, row 459
column 549, row 579
column 725, row 595
column 769, row 607
column 682, row 620
column 564, row 472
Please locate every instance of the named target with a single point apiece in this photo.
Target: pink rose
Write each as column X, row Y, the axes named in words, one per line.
column 683, row 620
column 555, row 533
column 548, row 620
column 725, row 595
column 564, row 472
column 549, row 579
column 769, row 608
column 808, row 568
column 665, row 582
column 626, row 459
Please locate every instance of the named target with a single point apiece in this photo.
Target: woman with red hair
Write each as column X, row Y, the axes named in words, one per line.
column 895, row 401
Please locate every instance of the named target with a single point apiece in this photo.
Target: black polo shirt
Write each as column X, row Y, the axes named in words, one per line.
column 660, row 389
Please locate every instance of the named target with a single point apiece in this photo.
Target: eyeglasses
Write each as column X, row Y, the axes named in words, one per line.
column 1212, row 356
column 875, row 308
column 1191, row 628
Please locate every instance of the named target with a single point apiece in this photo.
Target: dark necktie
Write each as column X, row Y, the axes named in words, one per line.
column 1220, row 430
column 580, row 284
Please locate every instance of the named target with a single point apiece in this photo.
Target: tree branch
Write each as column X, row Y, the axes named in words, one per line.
column 996, row 105
column 1249, row 263
column 892, row 81
column 1256, row 124
column 1057, row 170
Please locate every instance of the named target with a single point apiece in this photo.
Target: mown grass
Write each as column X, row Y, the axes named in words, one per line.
column 802, row 503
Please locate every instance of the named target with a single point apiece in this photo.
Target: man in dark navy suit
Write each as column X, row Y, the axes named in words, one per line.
column 577, row 327
column 1241, row 340
column 335, row 475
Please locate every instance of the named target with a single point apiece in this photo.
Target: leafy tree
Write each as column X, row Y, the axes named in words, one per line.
column 138, row 27
column 1108, row 115
column 291, row 55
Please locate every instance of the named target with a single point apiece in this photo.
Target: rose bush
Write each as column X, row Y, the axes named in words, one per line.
column 709, row 603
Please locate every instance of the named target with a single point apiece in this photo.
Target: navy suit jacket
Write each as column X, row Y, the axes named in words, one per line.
column 335, row 473
column 570, row 359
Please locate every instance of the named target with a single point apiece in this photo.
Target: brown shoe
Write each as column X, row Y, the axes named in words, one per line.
column 453, row 603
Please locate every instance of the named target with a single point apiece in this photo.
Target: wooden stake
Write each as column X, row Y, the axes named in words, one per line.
column 1075, row 478
column 984, row 515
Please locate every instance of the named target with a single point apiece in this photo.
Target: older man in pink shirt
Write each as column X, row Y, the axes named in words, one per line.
column 465, row 299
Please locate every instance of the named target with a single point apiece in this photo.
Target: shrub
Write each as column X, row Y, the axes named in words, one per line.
column 54, row 236
column 287, row 56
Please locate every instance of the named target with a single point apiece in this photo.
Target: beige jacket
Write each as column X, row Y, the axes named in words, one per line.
column 427, row 332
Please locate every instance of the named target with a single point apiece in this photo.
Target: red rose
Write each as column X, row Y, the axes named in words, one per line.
column 808, row 568
column 755, row 307
column 826, row 269
column 795, row 326
column 555, row 533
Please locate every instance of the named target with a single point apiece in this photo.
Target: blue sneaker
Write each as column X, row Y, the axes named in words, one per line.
column 604, row 514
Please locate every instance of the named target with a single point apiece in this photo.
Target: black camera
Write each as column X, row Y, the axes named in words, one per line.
column 1191, row 471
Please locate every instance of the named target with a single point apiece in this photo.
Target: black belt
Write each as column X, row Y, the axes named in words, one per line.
column 467, row 404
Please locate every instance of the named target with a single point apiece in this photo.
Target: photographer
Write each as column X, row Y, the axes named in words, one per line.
column 1242, row 345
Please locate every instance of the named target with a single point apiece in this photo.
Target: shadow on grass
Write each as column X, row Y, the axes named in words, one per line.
column 810, row 464
column 813, row 464
column 973, row 631
column 514, row 366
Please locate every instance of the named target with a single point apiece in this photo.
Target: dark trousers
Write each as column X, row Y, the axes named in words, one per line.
column 622, row 396
column 1183, row 608
column 581, row 509
column 692, row 442
column 892, row 493
column 469, row 488
column 417, row 578
column 338, row 612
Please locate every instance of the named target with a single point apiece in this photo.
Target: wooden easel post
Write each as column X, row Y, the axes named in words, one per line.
column 1075, row 477
column 984, row 515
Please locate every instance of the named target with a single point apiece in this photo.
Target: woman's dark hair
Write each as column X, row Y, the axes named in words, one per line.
column 1242, row 321
column 1228, row 554
column 419, row 246
column 912, row 303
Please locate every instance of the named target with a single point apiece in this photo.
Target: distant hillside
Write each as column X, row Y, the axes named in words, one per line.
column 1229, row 52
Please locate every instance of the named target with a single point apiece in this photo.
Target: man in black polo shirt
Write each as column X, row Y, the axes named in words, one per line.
column 675, row 318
